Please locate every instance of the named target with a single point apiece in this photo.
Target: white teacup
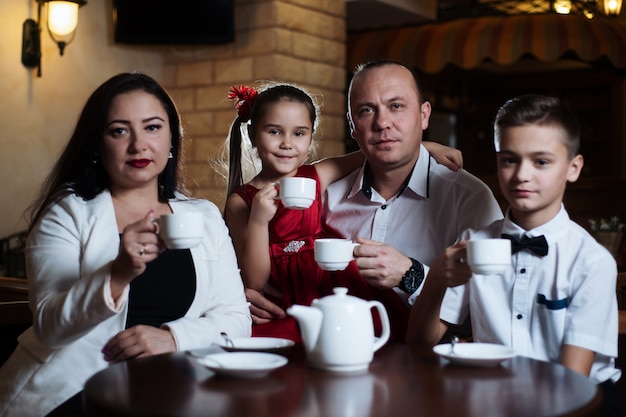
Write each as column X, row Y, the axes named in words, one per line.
column 333, row 254
column 297, row 193
column 181, row 230
column 489, row 256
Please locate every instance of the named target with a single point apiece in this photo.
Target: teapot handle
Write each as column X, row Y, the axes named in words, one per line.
column 384, row 319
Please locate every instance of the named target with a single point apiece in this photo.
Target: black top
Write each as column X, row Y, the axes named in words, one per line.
column 164, row 291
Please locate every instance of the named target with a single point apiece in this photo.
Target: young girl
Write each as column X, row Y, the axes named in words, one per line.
column 281, row 122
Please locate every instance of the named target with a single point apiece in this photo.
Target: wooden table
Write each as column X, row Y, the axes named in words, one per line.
column 400, row 382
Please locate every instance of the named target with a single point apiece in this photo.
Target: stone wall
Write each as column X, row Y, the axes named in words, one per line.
column 297, row 41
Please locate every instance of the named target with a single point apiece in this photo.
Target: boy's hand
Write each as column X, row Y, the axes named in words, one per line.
column 449, row 268
column 445, row 155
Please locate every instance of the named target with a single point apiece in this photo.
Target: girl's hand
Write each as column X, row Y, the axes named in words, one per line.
column 138, row 341
column 264, row 205
column 262, row 310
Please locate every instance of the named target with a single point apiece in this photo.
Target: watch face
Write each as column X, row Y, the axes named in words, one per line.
column 409, row 280
column 413, row 278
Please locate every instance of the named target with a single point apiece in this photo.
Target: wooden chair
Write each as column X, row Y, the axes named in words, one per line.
column 13, row 289
column 15, row 313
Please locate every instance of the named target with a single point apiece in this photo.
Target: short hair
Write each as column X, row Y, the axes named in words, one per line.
column 541, row 110
column 78, row 169
column 361, row 68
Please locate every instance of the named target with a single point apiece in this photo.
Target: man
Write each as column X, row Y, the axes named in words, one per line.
column 402, row 206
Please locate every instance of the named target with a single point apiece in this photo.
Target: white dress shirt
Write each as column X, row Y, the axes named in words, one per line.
column 422, row 220
column 541, row 303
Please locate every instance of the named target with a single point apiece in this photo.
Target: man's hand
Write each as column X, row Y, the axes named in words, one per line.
column 262, row 309
column 380, row 264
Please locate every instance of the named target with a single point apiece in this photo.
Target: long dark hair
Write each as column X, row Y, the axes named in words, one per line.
column 270, row 95
column 78, row 170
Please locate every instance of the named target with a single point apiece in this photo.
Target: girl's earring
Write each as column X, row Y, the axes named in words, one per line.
column 94, row 160
column 170, row 156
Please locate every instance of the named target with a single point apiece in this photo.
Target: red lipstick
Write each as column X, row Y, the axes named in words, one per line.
column 139, row 163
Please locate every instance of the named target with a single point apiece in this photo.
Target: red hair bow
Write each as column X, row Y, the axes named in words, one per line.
column 244, row 97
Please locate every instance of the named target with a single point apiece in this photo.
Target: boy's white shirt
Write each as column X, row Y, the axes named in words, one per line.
column 505, row 308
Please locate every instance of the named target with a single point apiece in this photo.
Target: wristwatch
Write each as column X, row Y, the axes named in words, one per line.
column 412, row 279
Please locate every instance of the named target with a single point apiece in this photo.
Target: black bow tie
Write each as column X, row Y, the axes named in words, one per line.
column 537, row 245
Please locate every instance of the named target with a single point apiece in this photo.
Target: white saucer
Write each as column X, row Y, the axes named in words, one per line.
column 243, row 364
column 257, row 344
column 475, row 354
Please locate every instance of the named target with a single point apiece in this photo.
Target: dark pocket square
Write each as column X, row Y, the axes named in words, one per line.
column 552, row 304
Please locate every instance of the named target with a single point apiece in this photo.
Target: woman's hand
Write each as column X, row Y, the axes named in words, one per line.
column 139, row 245
column 138, row 341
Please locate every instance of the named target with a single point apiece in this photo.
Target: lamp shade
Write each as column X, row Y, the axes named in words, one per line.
column 612, row 7
column 562, row 6
column 62, row 18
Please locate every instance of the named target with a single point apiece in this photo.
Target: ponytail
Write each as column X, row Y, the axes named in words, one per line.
column 235, row 175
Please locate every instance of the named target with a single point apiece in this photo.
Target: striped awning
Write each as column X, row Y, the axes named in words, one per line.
column 468, row 42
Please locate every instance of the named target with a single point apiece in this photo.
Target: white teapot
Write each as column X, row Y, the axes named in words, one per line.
column 338, row 331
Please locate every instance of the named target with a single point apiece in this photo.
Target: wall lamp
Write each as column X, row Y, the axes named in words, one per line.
column 62, row 20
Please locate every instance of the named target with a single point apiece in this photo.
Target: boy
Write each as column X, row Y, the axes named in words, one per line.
column 557, row 303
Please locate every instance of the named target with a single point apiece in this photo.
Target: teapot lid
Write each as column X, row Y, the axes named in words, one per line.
column 341, row 291
column 340, row 297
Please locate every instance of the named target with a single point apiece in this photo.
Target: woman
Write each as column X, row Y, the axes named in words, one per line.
column 103, row 288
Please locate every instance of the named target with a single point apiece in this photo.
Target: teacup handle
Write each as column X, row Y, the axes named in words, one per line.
column 384, row 319
column 157, row 225
column 354, row 245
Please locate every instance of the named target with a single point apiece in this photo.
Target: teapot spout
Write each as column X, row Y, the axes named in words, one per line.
column 310, row 321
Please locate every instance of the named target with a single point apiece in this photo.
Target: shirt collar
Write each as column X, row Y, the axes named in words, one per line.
column 551, row 230
column 418, row 180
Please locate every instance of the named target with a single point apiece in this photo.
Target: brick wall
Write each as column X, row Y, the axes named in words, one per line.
column 298, row 41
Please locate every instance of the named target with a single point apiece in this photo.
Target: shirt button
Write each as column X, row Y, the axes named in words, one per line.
column 519, row 316
column 384, row 206
column 522, row 271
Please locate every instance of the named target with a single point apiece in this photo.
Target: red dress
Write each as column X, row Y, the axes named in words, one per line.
column 295, row 273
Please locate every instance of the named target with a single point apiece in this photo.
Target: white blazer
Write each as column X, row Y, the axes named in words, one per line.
column 69, row 257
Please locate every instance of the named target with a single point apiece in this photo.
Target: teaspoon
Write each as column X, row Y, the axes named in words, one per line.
column 453, row 342
column 229, row 342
